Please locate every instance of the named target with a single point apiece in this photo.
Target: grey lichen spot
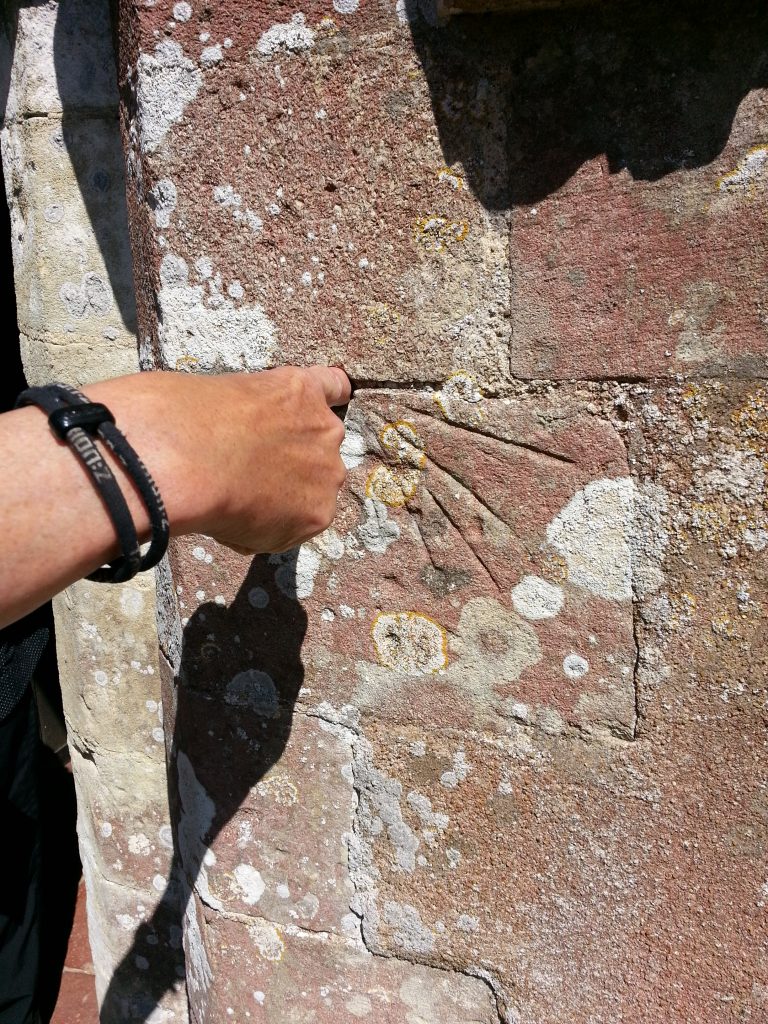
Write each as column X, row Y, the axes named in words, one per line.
column 409, row 934
column 467, row 923
column 378, row 531
column 162, row 199
column 167, row 81
column 255, row 690
column 92, row 297
column 379, row 809
column 457, row 774
column 293, row 37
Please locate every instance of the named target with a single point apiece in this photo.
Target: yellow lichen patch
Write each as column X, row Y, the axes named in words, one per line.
column 436, row 234
column 381, row 317
column 709, row 521
column 448, row 177
column 184, row 362
column 409, row 642
column 401, row 440
column 751, row 421
column 392, row 485
column 744, row 177
column 694, row 402
column 326, row 27
column 724, row 627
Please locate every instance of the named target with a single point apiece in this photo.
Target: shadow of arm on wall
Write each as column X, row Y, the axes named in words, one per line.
column 522, row 101
column 231, row 714
column 86, row 78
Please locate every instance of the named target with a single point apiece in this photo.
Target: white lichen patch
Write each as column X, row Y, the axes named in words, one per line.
column 167, row 82
column 211, row 56
column 91, row 297
column 269, row 944
column 291, row 37
column 574, row 666
column 593, row 534
column 296, row 571
column 534, row 598
column 408, row 931
column 205, row 330
column 748, row 171
column 410, row 643
column 182, row 11
column 249, row 883
column 379, row 813
column 226, row 197
column 378, row 531
column 255, row 690
column 423, row 807
column 162, row 199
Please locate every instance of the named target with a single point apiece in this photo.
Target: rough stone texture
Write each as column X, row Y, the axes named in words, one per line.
column 64, row 173
column 491, row 748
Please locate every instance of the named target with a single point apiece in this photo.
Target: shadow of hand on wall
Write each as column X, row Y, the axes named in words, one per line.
column 86, row 79
column 230, row 716
column 523, row 100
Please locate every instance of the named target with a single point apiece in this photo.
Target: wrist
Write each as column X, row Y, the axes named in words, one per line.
column 163, row 427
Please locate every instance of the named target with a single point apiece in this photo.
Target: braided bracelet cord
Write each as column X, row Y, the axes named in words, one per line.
column 74, row 420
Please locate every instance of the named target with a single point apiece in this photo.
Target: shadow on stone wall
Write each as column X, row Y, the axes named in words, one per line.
column 522, row 101
column 86, row 79
column 240, row 675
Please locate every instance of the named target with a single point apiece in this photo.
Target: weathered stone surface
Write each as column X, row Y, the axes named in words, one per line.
column 595, row 880
column 277, row 808
column 68, row 273
column 370, row 251
column 305, row 978
column 63, row 170
column 135, row 929
column 529, row 644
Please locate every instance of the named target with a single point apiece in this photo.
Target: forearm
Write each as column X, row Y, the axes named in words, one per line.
column 251, row 459
column 55, row 526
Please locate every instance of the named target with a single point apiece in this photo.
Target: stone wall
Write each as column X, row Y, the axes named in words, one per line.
column 492, row 748
column 64, row 172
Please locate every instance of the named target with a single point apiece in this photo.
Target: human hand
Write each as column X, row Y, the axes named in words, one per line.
column 249, row 459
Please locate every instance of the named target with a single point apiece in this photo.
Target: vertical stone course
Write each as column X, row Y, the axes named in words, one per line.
column 64, row 172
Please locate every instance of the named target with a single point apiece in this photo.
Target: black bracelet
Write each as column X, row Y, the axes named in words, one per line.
column 76, row 420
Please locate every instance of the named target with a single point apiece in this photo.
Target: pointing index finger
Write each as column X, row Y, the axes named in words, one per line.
column 334, row 382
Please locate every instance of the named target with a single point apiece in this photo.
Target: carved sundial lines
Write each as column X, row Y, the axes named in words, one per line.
column 463, row 588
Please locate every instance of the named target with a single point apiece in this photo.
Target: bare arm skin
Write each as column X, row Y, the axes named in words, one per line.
column 249, row 459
